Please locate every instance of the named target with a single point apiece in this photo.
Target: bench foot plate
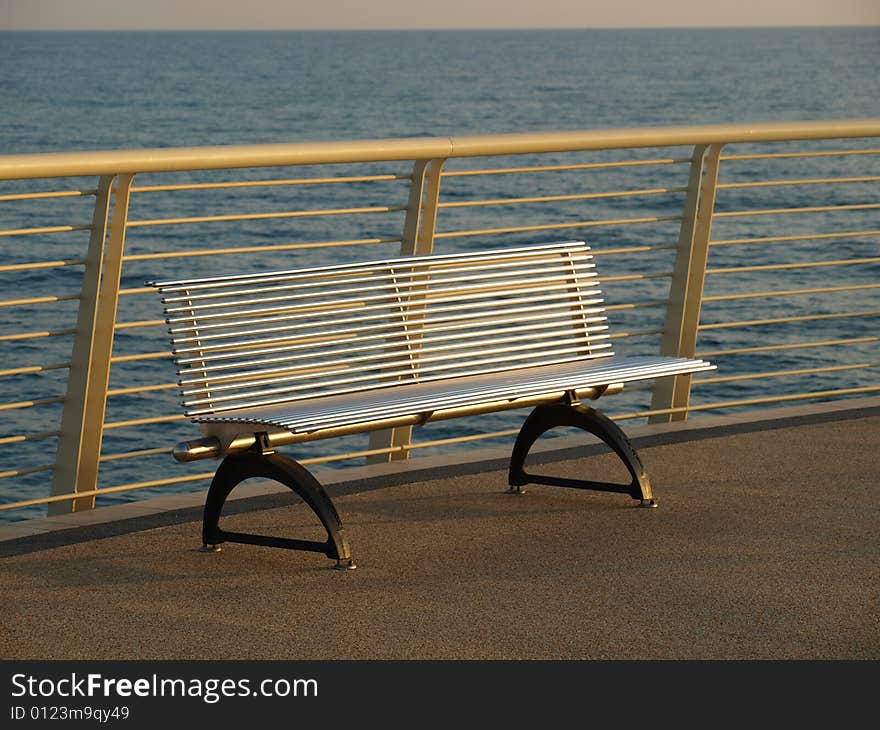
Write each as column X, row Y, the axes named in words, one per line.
column 236, row 468
column 546, row 417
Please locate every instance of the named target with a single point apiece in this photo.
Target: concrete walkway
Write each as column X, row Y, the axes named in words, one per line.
column 765, row 545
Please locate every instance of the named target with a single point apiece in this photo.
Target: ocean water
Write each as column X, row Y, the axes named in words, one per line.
column 91, row 91
column 83, row 91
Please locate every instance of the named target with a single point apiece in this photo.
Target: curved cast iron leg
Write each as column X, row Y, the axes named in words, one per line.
column 544, row 418
column 236, row 468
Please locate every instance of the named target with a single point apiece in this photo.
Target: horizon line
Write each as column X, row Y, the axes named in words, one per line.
column 769, row 26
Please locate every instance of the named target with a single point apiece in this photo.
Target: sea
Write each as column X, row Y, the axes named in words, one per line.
column 83, row 91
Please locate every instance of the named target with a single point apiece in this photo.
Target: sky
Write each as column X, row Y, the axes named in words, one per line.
column 413, row 14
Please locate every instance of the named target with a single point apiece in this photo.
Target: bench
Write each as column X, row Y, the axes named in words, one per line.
column 282, row 357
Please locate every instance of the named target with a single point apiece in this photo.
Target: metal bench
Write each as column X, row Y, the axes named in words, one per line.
column 282, row 357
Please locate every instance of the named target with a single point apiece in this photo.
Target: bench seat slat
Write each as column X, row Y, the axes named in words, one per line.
column 425, row 398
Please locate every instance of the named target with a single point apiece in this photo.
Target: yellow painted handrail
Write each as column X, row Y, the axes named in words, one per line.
column 109, row 162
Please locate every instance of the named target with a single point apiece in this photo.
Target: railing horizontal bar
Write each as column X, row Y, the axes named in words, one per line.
column 785, row 320
column 144, row 421
column 749, row 402
column 637, row 305
column 257, row 249
column 555, row 226
column 114, row 162
column 41, row 265
column 409, row 447
column 792, row 211
column 633, row 277
column 43, row 229
column 349, row 455
column 106, row 490
column 267, row 183
column 778, row 267
column 560, row 168
column 140, row 389
column 34, row 369
column 461, row 439
column 38, row 300
column 559, row 198
column 635, row 333
column 31, row 403
column 151, row 483
column 264, row 216
column 631, row 250
column 139, row 323
column 37, row 335
column 46, row 195
column 28, row 470
column 136, row 290
column 787, row 155
column 136, row 454
column 784, row 373
column 786, row 292
column 799, row 237
column 29, row 437
column 789, row 346
column 805, row 181
column 141, row 356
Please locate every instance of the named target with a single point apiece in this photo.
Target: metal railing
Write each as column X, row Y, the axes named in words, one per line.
column 754, row 246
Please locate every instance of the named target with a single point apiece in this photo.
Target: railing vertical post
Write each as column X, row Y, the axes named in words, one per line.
column 418, row 239
column 82, row 421
column 686, row 290
column 421, row 212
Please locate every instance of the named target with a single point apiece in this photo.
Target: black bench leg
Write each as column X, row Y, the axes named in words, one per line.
column 546, row 417
column 234, row 469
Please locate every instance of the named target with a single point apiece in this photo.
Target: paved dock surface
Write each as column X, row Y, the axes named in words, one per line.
column 765, row 546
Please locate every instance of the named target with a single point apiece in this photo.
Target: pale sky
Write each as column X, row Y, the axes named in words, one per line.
column 400, row 14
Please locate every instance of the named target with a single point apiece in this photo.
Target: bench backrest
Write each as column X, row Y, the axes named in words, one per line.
column 255, row 340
